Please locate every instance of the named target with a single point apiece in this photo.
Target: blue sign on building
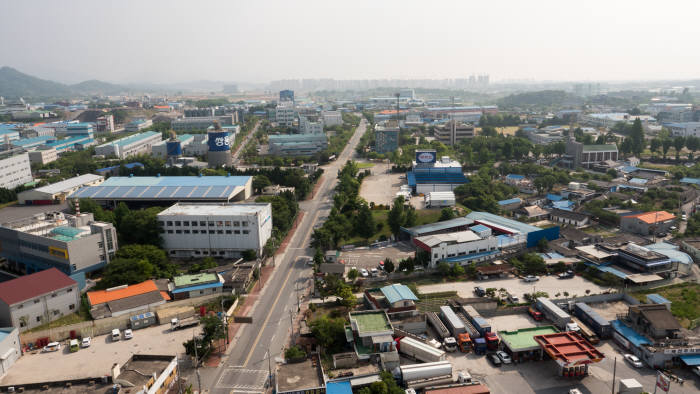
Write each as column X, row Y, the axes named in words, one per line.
column 219, row 141
column 426, row 156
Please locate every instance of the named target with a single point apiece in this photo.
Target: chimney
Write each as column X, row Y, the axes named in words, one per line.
column 77, row 207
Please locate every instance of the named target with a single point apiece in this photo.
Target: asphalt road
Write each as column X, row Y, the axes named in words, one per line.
column 235, row 160
column 248, row 360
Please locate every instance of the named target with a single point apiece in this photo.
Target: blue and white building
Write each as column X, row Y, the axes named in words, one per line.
column 430, row 175
column 132, row 145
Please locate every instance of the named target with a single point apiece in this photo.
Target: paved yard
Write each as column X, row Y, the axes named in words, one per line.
column 381, row 187
column 98, row 358
column 514, row 322
column 610, row 310
column 550, row 284
column 370, row 258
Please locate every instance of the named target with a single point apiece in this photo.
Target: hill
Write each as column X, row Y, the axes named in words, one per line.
column 14, row 84
column 544, row 98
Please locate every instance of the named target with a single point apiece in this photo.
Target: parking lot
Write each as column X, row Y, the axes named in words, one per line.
column 575, row 286
column 381, row 187
column 98, row 358
column 369, row 258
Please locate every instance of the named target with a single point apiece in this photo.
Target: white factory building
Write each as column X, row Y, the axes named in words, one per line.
column 15, row 170
column 132, row 145
column 59, row 191
column 463, row 247
column 215, row 229
column 332, row 118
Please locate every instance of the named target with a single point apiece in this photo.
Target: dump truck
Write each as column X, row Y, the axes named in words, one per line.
column 419, row 351
column 179, row 324
column 438, row 325
column 464, row 342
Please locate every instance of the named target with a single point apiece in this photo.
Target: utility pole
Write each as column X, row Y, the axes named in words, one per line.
column 614, row 372
column 196, row 362
column 291, row 322
column 269, row 367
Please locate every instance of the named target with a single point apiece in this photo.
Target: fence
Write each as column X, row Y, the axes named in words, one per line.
column 104, row 326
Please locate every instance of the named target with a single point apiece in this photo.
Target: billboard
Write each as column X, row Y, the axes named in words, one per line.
column 426, row 156
column 219, row 141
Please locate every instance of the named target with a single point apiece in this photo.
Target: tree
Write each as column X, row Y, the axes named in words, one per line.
column 260, row 182
column 693, row 144
column 249, row 255
column 347, row 298
column 446, row 214
column 637, row 137
column 120, row 212
column 533, row 264
column 396, row 215
column 666, row 144
column 542, row 245
column 406, row 264
column 411, row 217
column 353, row 274
column 329, row 332
column 154, row 255
column 121, row 271
column 364, row 223
column 457, row 270
column 140, row 227
column 389, row 266
column 654, row 146
column 294, row 352
column 443, row 268
column 678, row 144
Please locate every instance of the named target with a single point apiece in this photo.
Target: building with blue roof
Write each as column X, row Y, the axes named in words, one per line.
column 690, row 181
column 34, row 142
column 433, row 174
column 196, row 285
column 673, row 252
column 132, row 145
column 9, row 132
column 169, row 189
column 71, row 144
column 658, row 299
column 399, row 296
column 510, row 204
column 628, row 337
column 114, row 170
column 339, row 387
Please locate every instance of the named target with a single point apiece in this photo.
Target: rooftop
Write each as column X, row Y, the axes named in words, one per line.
column 54, row 225
column 524, row 339
column 68, row 184
column 569, row 348
column 482, row 217
column 368, row 322
column 653, row 217
column 195, row 279
column 440, row 226
column 33, row 285
column 398, row 292
column 450, row 238
column 510, row 201
column 132, row 138
column 600, row 148
column 657, row 299
column 101, row 296
column 298, row 376
column 629, row 334
column 568, row 214
column 658, row 315
column 140, row 369
column 214, row 209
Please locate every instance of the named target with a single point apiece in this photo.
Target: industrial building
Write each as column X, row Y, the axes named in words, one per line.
column 285, row 113
column 201, row 123
column 137, row 125
column 386, row 137
column 196, row 285
column 132, row 145
column 125, row 300
column 71, row 243
column 169, row 189
column 310, row 125
column 430, row 175
column 216, row 230
column 647, row 223
column 462, row 247
column 297, row 144
column 685, row 129
column 331, row 118
column 43, row 155
column 580, row 155
column 77, row 129
column 71, row 144
column 453, row 133
column 15, row 169
column 105, row 123
column 165, row 148
column 36, row 299
column 10, row 348
column 57, row 192
column 443, row 227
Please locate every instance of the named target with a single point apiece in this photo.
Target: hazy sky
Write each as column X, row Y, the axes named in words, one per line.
column 260, row 40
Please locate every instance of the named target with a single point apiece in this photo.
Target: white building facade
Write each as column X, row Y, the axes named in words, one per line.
column 15, row 170
column 43, row 155
column 463, row 243
column 217, row 230
column 332, row 118
column 685, row 129
column 285, row 114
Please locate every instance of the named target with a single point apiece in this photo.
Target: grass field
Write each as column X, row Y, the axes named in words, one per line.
column 684, row 297
column 362, row 166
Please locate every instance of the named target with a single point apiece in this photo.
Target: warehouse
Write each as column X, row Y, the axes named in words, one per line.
column 131, row 145
column 160, row 190
column 440, row 199
column 57, row 192
column 217, row 230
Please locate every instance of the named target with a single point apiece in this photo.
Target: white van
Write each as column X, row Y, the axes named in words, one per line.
column 52, row 347
column 116, row 335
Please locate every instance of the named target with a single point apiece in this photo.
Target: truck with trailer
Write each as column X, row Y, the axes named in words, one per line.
column 438, row 325
column 419, row 351
column 423, row 375
column 465, row 342
column 586, row 332
column 480, row 346
column 557, row 315
column 453, row 323
column 592, row 319
column 482, row 326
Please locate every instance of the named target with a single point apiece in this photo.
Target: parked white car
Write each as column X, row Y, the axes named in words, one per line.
column 633, row 360
column 531, row 278
column 52, row 347
column 364, row 273
column 128, row 334
column 87, row 341
column 504, row 357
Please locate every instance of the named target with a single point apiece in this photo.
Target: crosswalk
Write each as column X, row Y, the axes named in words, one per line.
column 243, row 380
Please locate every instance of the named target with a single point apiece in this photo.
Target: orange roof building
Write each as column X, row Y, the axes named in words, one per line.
column 571, row 352
column 123, row 300
column 648, row 223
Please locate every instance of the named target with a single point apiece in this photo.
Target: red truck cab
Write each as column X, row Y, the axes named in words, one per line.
column 537, row 315
column 492, row 340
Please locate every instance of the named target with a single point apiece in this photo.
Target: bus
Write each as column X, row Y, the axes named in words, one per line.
column 586, row 332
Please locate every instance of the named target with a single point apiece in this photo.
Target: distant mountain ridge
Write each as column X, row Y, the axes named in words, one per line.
column 14, row 84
